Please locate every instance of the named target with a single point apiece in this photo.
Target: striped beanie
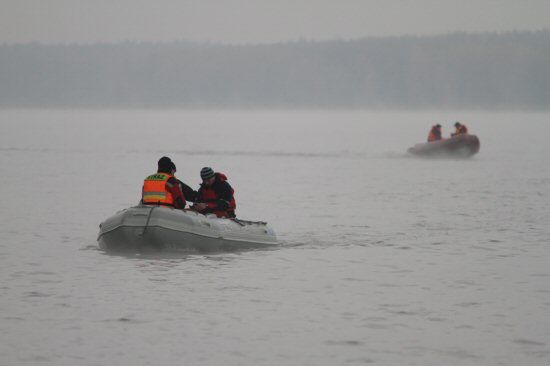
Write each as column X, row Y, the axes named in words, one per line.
column 206, row 173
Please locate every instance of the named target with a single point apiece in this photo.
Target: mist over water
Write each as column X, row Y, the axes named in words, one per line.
column 385, row 258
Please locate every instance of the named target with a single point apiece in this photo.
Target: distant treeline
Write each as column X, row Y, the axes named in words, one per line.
column 509, row 70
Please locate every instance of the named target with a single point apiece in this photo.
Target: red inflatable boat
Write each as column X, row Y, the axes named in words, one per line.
column 459, row 146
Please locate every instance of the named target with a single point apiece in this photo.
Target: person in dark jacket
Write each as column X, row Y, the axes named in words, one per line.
column 215, row 195
column 163, row 188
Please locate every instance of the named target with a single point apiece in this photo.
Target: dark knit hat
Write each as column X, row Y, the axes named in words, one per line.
column 165, row 164
column 457, row 124
column 206, row 173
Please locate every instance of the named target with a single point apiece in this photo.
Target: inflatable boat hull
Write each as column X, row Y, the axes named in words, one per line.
column 158, row 228
column 457, row 146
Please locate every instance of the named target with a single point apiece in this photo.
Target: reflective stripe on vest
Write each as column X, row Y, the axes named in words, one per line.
column 154, row 190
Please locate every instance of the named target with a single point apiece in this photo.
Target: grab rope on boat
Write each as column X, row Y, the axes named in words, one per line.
column 148, row 218
column 246, row 222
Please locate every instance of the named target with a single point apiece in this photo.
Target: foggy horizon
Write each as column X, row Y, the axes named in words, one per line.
column 454, row 71
column 258, row 22
column 287, row 54
column 282, row 42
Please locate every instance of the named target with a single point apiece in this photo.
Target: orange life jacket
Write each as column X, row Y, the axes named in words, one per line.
column 154, row 190
column 434, row 135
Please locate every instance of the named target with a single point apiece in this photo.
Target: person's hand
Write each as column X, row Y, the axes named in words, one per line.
column 200, row 206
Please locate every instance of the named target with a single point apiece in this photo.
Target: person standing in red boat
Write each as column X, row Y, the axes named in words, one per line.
column 460, row 129
column 215, row 195
column 435, row 133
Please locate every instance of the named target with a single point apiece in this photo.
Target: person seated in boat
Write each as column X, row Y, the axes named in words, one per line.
column 460, row 129
column 163, row 188
column 215, row 195
column 435, row 133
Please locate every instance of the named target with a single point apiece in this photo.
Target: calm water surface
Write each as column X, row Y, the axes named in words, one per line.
column 385, row 259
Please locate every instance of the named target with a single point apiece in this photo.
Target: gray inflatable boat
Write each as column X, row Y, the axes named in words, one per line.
column 159, row 228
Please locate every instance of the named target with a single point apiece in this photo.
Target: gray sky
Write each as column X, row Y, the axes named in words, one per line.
column 257, row 21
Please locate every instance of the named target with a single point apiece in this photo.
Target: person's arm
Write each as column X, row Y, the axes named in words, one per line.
column 188, row 192
column 173, row 186
column 200, row 205
column 226, row 196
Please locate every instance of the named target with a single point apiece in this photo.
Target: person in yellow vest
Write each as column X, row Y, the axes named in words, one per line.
column 460, row 129
column 163, row 188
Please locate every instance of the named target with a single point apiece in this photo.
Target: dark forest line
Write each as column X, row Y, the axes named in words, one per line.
column 489, row 70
